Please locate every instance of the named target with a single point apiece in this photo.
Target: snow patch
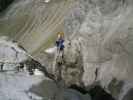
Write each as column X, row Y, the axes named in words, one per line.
column 51, row 50
column 38, row 73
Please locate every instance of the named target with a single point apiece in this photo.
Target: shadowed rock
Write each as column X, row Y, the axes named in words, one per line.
column 4, row 4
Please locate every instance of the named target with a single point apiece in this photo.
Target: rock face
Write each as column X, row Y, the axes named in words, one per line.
column 103, row 30
column 99, row 39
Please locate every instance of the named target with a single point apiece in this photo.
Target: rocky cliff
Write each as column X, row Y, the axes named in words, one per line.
column 98, row 34
column 102, row 32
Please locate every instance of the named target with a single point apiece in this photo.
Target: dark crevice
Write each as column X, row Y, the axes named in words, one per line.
column 78, row 88
column 96, row 93
column 4, row 4
column 96, row 73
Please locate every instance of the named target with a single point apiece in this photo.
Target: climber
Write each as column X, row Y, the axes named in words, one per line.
column 60, row 43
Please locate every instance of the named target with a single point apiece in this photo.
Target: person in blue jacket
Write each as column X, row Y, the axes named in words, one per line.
column 60, row 43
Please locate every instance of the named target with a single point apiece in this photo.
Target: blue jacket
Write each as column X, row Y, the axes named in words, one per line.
column 60, row 44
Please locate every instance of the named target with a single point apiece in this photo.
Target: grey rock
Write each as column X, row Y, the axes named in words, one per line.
column 99, row 31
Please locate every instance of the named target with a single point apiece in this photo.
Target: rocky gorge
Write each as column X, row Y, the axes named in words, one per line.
column 98, row 43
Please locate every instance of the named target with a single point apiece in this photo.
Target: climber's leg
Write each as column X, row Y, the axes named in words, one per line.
column 58, row 50
column 1, row 66
column 62, row 52
column 17, row 68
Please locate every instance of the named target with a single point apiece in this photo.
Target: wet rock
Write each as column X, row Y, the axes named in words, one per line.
column 75, row 95
column 14, row 86
column 97, row 93
column 58, row 92
column 129, row 95
column 115, row 87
